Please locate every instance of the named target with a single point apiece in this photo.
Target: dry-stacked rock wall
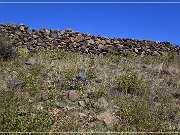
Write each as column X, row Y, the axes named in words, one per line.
column 76, row 41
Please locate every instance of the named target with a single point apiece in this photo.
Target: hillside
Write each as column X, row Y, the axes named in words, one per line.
column 67, row 81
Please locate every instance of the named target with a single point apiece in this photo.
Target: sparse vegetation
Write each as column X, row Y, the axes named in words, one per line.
column 145, row 100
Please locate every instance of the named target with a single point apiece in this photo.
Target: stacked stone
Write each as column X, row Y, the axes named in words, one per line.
column 75, row 41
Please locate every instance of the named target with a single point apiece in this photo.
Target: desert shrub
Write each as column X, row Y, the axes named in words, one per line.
column 138, row 115
column 57, row 54
column 7, row 50
column 131, row 84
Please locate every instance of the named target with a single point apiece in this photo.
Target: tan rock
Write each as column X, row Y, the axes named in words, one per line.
column 18, row 33
column 82, row 115
column 108, row 41
column 106, row 117
column 42, row 30
column 136, row 50
column 48, row 32
column 119, row 46
column 90, row 41
column 100, row 46
column 101, row 103
column 82, row 103
column 73, row 95
column 22, row 28
column 78, row 38
column 103, row 42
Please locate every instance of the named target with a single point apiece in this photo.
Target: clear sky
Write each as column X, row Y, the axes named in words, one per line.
column 160, row 22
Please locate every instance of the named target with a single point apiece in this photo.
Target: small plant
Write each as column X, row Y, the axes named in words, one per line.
column 91, row 74
column 128, row 53
column 130, row 84
column 81, row 87
column 69, row 73
column 100, row 91
column 57, row 54
column 7, row 51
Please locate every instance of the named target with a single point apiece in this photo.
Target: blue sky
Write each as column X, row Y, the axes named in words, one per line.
column 160, row 22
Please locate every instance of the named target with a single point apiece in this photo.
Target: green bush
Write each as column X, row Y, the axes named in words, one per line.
column 7, row 51
column 130, row 84
column 138, row 115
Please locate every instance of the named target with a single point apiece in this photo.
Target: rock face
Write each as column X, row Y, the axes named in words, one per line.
column 85, row 43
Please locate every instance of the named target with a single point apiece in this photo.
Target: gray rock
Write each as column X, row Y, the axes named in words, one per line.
column 54, row 35
column 29, row 31
column 31, row 61
column 82, row 74
column 113, row 93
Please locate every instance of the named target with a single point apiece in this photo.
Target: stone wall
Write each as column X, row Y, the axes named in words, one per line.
column 76, row 41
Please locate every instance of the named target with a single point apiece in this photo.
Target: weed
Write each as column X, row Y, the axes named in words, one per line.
column 128, row 54
column 57, row 54
column 101, row 91
column 81, row 87
column 130, row 84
